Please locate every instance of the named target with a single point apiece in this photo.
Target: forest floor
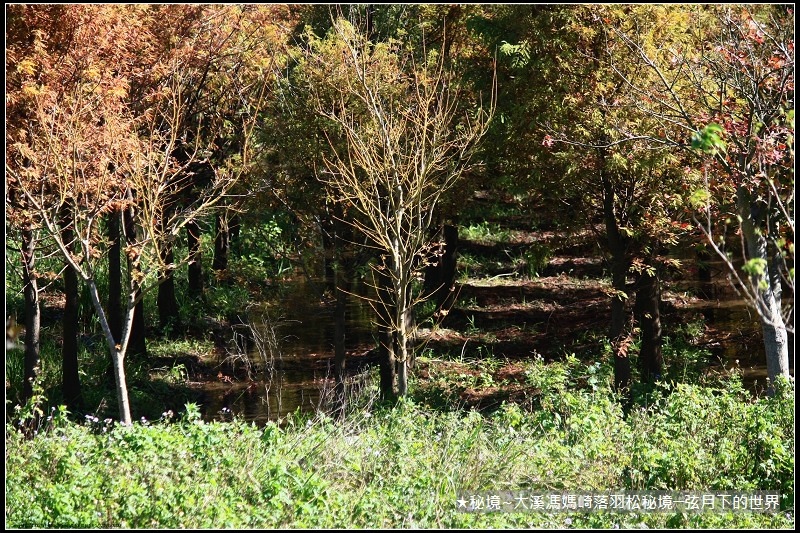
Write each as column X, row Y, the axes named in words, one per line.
column 505, row 313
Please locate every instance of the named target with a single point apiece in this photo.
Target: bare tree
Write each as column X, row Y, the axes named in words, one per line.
column 398, row 140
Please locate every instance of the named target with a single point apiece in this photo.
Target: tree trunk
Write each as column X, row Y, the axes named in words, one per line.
column 117, row 351
column 167, row 301
column 138, row 342
column 32, row 312
column 622, row 362
column 404, row 330
column 776, row 338
column 234, row 229
column 221, row 243
column 122, row 389
column 448, row 267
column 617, row 247
column 114, row 276
column 648, row 298
column 339, row 357
column 114, row 285
column 402, row 373
column 342, row 236
column 137, row 346
column 70, row 376
column 330, row 246
column 195, row 266
column 388, row 367
column 410, row 324
column 386, row 338
column 768, row 287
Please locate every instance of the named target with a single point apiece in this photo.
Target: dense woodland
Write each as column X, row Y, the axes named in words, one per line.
column 527, row 202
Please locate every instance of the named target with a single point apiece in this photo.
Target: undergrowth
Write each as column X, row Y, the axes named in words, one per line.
column 402, row 466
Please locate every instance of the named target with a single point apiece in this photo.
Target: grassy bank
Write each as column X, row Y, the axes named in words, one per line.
column 401, row 466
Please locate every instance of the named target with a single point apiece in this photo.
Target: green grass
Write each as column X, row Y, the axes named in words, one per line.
column 402, row 466
column 485, row 232
column 468, row 266
column 535, row 259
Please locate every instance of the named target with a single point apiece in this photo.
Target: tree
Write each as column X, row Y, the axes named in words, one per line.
column 85, row 150
column 405, row 143
column 300, row 140
column 228, row 54
column 569, row 104
column 727, row 96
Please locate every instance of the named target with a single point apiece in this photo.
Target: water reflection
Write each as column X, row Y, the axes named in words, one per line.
column 281, row 355
column 263, row 400
column 284, row 362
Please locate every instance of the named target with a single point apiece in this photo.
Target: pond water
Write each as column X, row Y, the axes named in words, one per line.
column 284, row 363
column 282, row 358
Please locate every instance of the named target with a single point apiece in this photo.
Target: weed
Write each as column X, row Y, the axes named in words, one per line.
column 402, row 465
column 471, row 328
column 485, row 232
column 535, row 259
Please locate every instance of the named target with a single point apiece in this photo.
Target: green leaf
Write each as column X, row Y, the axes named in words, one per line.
column 520, row 54
column 755, row 267
column 708, row 139
column 699, row 198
